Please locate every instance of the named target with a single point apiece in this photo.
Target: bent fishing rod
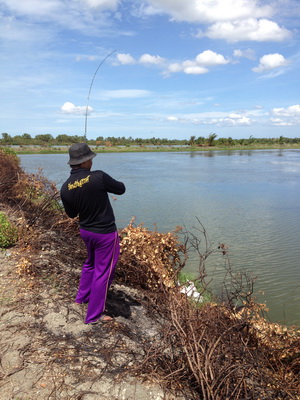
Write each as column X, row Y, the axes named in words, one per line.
column 89, row 94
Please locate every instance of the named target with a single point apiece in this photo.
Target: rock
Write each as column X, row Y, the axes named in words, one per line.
column 11, row 361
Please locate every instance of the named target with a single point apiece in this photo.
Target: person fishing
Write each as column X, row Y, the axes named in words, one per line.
column 85, row 193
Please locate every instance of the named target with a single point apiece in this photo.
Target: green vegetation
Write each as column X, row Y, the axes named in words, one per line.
column 192, row 285
column 8, row 232
column 46, row 143
column 11, row 153
column 186, row 277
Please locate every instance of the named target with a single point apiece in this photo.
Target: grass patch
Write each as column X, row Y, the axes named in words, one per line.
column 188, row 280
column 8, row 232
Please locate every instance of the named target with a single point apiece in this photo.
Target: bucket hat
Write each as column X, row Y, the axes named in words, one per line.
column 79, row 153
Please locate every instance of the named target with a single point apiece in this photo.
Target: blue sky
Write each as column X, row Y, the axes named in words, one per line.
column 178, row 68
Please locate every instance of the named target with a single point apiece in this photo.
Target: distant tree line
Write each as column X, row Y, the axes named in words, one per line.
column 212, row 140
column 65, row 140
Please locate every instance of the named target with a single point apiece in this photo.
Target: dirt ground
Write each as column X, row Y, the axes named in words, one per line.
column 47, row 352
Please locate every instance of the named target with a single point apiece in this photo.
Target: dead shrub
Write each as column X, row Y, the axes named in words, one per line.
column 149, row 259
column 32, row 195
column 210, row 353
column 219, row 351
column 10, row 171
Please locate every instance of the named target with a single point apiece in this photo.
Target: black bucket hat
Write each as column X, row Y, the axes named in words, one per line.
column 79, row 153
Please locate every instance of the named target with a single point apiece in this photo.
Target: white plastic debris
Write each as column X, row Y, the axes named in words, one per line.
column 191, row 291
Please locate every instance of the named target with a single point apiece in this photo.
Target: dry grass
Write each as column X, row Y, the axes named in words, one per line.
column 214, row 352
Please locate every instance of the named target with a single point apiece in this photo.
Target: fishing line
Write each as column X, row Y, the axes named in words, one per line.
column 88, row 98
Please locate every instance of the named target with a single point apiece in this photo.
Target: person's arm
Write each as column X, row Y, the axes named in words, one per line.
column 69, row 210
column 113, row 186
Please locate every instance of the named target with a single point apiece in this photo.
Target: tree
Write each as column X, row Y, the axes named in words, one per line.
column 44, row 139
column 63, row 139
column 200, row 141
column 192, row 141
column 18, row 140
column 211, row 138
column 230, row 141
column 26, row 136
column 77, row 139
column 222, row 141
column 6, row 138
column 251, row 139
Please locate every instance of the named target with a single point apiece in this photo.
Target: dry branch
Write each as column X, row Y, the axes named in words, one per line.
column 217, row 351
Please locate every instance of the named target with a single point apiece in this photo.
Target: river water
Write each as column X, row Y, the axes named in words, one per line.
column 249, row 200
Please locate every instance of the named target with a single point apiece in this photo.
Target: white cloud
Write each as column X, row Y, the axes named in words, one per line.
column 199, row 65
column 194, row 70
column 50, row 7
column 70, row 108
column 145, row 59
column 16, row 31
column 247, row 29
column 291, row 111
column 85, row 57
column 172, row 118
column 125, row 59
column 232, row 20
column 33, row 8
column 214, row 118
column 209, row 57
column 229, row 121
column 289, row 116
column 149, row 59
column 280, row 122
column 238, row 119
column 247, row 53
column 174, row 67
column 209, row 11
column 89, row 16
column 103, row 4
column 270, row 61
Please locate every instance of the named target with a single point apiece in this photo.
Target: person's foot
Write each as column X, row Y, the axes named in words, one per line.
column 103, row 319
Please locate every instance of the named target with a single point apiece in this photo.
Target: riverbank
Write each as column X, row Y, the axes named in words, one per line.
column 161, row 345
column 146, row 353
column 165, row 148
column 48, row 352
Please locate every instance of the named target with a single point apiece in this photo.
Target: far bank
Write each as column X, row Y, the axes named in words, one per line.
column 148, row 148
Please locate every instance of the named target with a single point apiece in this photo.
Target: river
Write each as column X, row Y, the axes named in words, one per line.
column 249, row 200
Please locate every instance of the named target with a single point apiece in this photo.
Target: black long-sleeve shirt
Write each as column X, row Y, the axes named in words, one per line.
column 85, row 193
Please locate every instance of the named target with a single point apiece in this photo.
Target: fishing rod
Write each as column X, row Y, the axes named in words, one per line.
column 89, row 94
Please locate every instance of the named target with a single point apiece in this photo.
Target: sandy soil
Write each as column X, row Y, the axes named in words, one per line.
column 47, row 352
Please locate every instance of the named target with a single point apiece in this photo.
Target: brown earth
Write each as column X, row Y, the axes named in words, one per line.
column 47, row 352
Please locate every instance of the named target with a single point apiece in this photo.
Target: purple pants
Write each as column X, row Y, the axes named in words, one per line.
column 97, row 271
